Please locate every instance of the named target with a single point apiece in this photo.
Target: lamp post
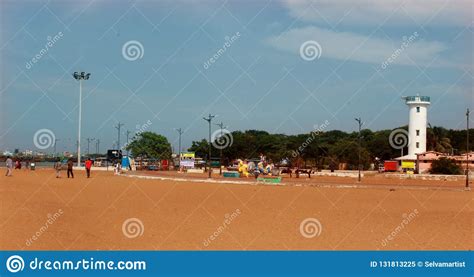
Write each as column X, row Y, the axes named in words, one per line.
column 180, row 132
column 97, row 146
column 80, row 77
column 55, row 142
column 467, row 148
column 119, row 125
column 209, row 120
column 221, row 125
column 128, row 134
column 88, row 143
column 359, row 121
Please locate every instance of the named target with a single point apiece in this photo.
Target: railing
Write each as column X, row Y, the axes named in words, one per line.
column 418, row 98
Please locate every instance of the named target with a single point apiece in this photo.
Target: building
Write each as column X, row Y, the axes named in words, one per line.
column 417, row 124
column 426, row 158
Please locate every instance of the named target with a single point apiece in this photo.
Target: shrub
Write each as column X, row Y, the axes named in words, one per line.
column 445, row 166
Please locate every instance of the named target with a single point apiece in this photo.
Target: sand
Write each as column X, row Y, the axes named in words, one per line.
column 89, row 214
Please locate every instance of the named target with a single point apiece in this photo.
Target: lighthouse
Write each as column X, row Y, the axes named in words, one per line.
column 418, row 121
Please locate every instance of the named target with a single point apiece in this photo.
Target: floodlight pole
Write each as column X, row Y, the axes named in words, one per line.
column 359, row 121
column 467, row 148
column 80, row 122
column 80, row 76
column 221, row 125
column 209, row 120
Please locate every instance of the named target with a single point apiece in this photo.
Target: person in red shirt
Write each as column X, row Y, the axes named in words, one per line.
column 88, row 164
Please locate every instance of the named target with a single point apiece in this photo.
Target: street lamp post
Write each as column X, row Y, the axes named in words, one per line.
column 119, row 125
column 128, row 134
column 55, row 142
column 80, row 77
column 97, row 146
column 221, row 125
column 359, row 121
column 180, row 132
column 88, row 144
column 209, row 120
column 467, row 148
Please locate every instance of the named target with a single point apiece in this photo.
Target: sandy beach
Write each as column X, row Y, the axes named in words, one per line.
column 41, row 212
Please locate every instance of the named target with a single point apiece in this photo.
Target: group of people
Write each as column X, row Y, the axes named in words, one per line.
column 246, row 168
column 17, row 164
column 58, row 166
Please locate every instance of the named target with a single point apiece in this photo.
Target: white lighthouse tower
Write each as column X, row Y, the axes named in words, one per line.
column 418, row 109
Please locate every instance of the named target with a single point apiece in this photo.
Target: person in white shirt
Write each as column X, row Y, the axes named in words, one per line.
column 9, row 164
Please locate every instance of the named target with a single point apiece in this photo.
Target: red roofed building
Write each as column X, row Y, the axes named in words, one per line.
column 426, row 158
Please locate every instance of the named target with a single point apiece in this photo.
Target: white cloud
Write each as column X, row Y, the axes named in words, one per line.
column 401, row 12
column 361, row 48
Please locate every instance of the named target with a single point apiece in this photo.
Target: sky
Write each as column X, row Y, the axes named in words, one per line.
column 281, row 66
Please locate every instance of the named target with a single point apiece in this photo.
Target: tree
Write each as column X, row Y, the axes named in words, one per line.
column 445, row 166
column 201, row 148
column 150, row 145
column 322, row 149
column 438, row 140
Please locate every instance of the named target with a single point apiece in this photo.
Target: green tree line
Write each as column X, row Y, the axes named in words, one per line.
column 322, row 149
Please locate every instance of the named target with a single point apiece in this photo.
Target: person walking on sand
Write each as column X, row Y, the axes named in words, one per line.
column 9, row 164
column 57, row 167
column 70, row 164
column 88, row 165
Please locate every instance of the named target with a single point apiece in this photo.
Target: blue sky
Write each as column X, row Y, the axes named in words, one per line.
column 260, row 80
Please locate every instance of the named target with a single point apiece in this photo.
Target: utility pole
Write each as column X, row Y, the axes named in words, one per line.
column 55, row 142
column 88, row 143
column 97, row 146
column 180, row 132
column 119, row 125
column 467, row 148
column 209, row 120
column 221, row 125
column 359, row 121
column 128, row 133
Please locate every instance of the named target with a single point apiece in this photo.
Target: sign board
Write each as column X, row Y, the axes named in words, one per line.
column 113, row 155
column 408, row 164
column 186, row 159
